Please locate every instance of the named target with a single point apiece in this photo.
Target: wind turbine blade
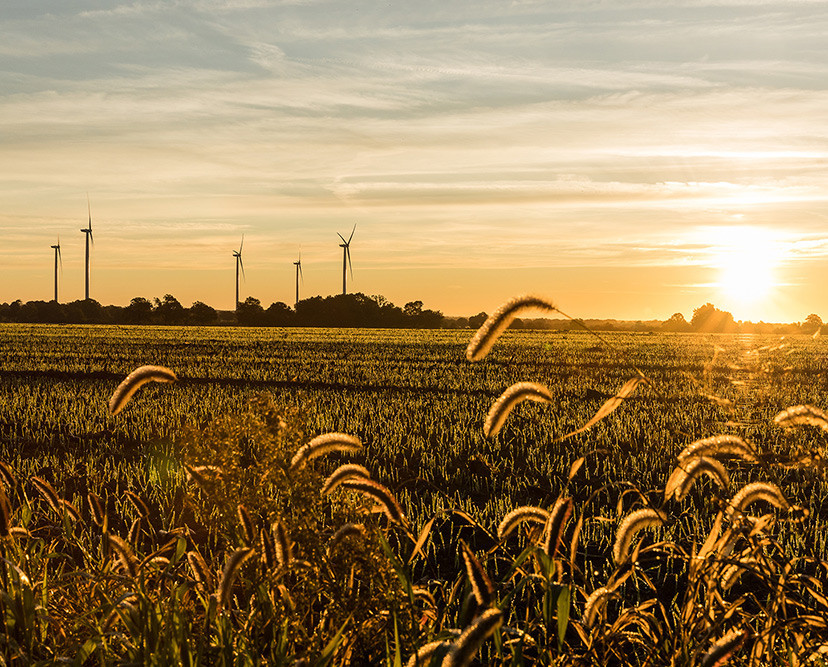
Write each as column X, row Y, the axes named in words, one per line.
column 91, row 238
column 342, row 237
column 301, row 275
column 241, row 245
column 89, row 209
column 350, row 264
column 60, row 257
column 352, row 234
column 241, row 264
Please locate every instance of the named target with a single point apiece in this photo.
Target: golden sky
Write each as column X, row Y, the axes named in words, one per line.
column 627, row 159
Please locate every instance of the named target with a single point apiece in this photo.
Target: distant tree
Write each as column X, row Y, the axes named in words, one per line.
column 279, row 314
column 139, row 311
column 676, row 323
column 250, row 313
column 812, row 324
column 202, row 314
column 709, row 319
column 413, row 308
column 169, row 310
column 476, row 321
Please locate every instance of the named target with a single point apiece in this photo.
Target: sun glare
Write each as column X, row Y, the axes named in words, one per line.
column 746, row 259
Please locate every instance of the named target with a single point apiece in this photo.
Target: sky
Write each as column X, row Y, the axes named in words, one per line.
column 626, row 159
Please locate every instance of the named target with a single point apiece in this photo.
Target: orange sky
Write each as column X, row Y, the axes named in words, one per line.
column 628, row 160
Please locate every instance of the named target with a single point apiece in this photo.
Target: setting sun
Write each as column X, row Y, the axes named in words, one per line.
column 747, row 259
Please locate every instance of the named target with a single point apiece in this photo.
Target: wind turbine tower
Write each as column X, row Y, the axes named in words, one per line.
column 88, row 232
column 58, row 258
column 238, row 255
column 346, row 258
column 298, row 265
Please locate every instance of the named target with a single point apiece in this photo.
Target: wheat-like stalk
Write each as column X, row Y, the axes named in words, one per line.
column 558, row 516
column 595, row 604
column 723, row 649
column 517, row 516
column 7, row 476
column 125, row 554
column 381, row 494
column 96, row 508
column 342, row 473
column 498, row 322
column 48, row 492
column 5, row 514
column 644, row 518
column 465, row 647
column 324, row 444
column 136, row 379
column 517, row 393
column 481, row 584
column 753, row 492
column 426, row 654
column 284, row 547
column 689, row 470
column 138, row 503
column 201, row 572
column 802, row 414
column 228, row 575
column 248, row 529
column 719, row 445
column 348, row 530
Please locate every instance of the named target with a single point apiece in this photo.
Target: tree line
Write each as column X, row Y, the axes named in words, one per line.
column 360, row 310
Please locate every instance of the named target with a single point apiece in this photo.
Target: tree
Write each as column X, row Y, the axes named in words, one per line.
column 476, row 321
column 709, row 319
column 413, row 308
column 813, row 323
column 201, row 313
column 279, row 314
column 676, row 323
column 250, row 313
column 139, row 311
column 170, row 311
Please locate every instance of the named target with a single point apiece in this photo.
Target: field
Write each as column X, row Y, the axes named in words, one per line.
column 418, row 407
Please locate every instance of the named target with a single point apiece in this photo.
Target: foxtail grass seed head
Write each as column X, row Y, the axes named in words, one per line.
column 7, row 476
column 138, row 503
column 720, row 445
column 70, row 510
column 800, row 415
column 499, row 321
column 248, row 529
column 268, row 547
column 342, row 473
column 429, row 653
column 344, row 532
column 5, row 514
column 731, row 573
column 689, row 470
column 595, row 605
column 324, row 444
column 723, row 650
column 517, row 393
column 96, row 508
column 125, row 554
column 754, row 492
column 284, row 547
column 644, row 518
column 134, row 381
column 517, row 516
column 390, row 507
column 228, row 575
column 466, row 646
column 481, row 584
column 555, row 525
column 48, row 492
column 202, row 574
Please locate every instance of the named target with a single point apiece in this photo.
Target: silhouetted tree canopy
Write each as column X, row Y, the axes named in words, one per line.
column 709, row 319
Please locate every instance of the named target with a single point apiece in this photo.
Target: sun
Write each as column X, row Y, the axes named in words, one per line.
column 747, row 259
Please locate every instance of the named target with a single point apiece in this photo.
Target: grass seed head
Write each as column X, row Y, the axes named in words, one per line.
column 48, row 492
column 125, row 554
column 644, row 518
column 595, row 605
column 499, row 321
column 754, row 492
column 228, row 575
column 517, row 516
column 466, row 646
column 689, row 470
column 720, row 445
column 390, row 507
column 517, row 393
column 324, row 444
column 342, row 473
column 481, row 584
column 284, row 548
column 348, row 530
column 723, row 649
column 429, row 653
column 201, row 572
column 248, row 529
column 7, row 476
column 96, row 508
column 134, row 381
column 800, row 415
column 138, row 503
column 555, row 525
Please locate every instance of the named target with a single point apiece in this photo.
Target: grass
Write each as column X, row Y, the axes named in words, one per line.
column 183, row 571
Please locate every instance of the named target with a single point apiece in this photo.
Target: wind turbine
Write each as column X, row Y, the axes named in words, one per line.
column 88, row 232
column 58, row 257
column 298, row 265
column 238, row 255
column 346, row 257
